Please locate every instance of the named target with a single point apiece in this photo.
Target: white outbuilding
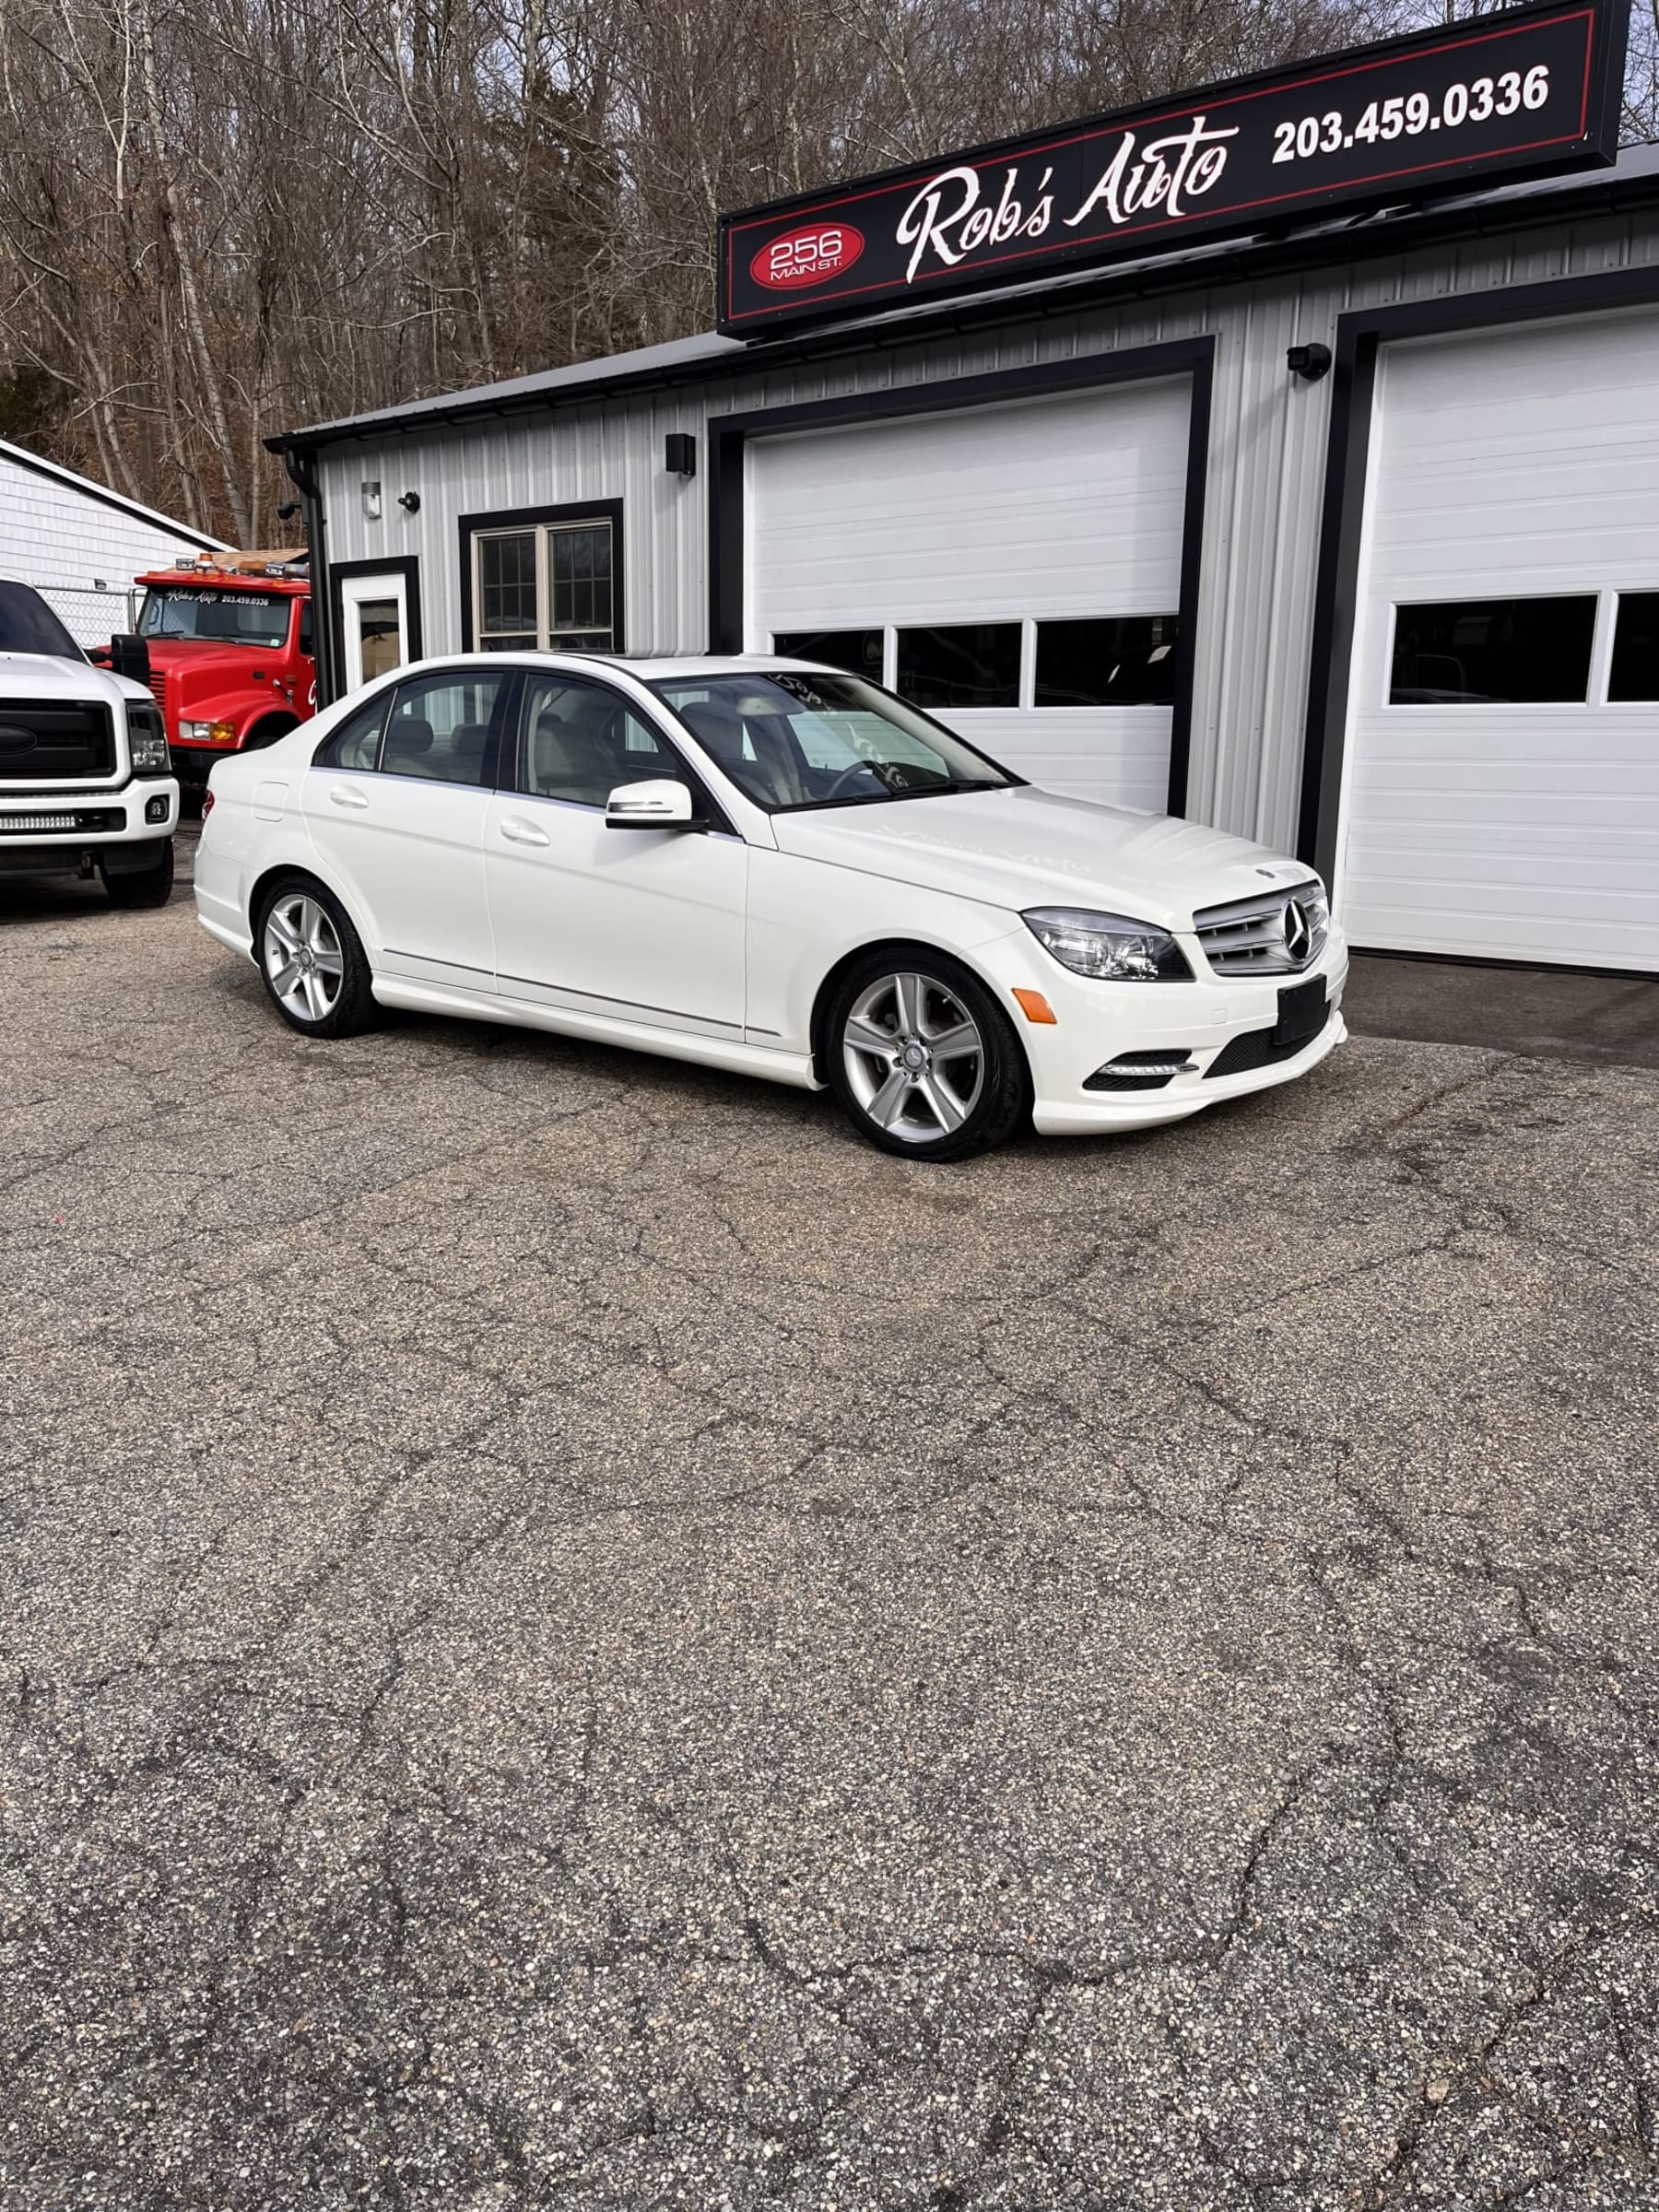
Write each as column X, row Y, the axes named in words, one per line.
column 80, row 544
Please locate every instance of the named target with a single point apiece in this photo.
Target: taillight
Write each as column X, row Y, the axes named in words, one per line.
column 207, row 803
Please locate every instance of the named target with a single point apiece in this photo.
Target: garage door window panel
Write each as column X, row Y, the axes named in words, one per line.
column 859, row 651
column 1114, row 661
column 1487, row 652
column 960, row 665
column 1635, row 674
column 440, row 729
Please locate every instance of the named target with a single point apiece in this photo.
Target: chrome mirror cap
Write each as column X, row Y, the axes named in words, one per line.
column 659, row 805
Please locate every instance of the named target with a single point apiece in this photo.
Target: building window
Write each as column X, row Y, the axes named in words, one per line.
column 1636, row 648
column 549, row 586
column 1112, row 661
column 856, row 651
column 1470, row 651
column 966, row 664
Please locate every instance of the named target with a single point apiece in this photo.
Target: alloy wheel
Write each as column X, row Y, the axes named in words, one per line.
column 302, row 956
column 915, row 1057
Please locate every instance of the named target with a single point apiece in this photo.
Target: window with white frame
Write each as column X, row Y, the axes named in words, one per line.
column 547, row 586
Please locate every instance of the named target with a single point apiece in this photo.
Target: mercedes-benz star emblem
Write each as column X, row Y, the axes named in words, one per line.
column 1299, row 937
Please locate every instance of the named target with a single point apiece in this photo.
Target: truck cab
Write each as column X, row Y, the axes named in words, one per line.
column 232, row 657
column 85, row 783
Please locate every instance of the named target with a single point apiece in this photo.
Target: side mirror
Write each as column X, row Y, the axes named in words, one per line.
column 659, row 805
column 129, row 656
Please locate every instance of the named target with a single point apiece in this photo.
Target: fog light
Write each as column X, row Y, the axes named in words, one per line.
column 157, row 809
column 1141, row 1071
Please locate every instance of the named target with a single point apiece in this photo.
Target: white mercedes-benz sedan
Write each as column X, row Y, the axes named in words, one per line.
column 772, row 868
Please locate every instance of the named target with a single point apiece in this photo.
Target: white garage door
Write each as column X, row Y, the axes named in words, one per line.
column 1016, row 569
column 1502, row 768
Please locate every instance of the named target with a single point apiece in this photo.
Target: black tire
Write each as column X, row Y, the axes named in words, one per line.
column 971, row 1098
column 141, row 887
column 306, row 1003
column 267, row 733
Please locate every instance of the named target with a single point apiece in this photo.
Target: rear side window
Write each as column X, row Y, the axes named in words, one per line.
column 356, row 742
column 442, row 728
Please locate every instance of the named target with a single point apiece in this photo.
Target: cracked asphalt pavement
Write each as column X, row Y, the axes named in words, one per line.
column 571, row 1636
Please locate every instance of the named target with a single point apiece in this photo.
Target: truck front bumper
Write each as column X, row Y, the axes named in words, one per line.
column 70, row 832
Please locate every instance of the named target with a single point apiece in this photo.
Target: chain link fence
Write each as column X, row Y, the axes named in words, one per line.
column 91, row 616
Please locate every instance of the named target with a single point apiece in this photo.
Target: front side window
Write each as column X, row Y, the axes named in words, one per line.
column 206, row 616
column 439, row 728
column 1474, row 652
column 549, row 586
column 790, row 740
column 579, row 742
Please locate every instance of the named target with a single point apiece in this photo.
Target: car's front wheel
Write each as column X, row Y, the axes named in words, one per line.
column 923, row 1060
column 312, row 961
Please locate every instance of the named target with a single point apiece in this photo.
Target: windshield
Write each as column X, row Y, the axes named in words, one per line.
column 791, row 739
column 216, row 617
column 28, row 625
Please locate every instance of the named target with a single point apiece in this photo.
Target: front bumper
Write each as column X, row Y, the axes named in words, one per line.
column 193, row 764
column 100, row 823
column 1095, row 1023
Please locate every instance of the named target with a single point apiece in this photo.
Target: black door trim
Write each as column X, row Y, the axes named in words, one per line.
column 729, row 435
column 408, row 566
column 1342, row 517
column 525, row 518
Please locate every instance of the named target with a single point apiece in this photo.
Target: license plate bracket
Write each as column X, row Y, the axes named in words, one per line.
column 1302, row 1013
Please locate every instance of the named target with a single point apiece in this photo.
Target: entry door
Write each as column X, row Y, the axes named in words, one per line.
column 1015, row 570
column 398, row 810
column 376, row 612
column 646, row 925
column 1501, row 779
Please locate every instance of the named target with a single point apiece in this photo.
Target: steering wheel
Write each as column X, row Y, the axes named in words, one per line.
column 858, row 768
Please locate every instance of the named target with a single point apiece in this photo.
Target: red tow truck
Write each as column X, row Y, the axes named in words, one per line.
column 232, row 657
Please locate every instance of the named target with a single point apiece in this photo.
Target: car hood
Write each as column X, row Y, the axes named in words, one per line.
column 1024, row 847
column 43, row 675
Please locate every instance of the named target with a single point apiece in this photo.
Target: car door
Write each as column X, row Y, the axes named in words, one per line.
column 646, row 925
column 398, row 804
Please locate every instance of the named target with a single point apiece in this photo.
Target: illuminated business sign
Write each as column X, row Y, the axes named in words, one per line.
column 1504, row 95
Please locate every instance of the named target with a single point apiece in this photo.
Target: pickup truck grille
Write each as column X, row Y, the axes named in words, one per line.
column 1278, row 934
column 44, row 739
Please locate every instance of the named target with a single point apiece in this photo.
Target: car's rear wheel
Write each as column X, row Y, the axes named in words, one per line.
column 923, row 1060
column 150, row 886
column 312, row 961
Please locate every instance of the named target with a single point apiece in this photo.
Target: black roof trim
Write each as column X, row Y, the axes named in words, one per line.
column 1628, row 187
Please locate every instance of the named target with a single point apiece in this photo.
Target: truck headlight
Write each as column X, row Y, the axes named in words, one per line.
column 1109, row 948
column 146, row 742
column 207, row 733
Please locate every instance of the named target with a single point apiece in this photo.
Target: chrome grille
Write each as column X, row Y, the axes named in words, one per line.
column 1258, row 936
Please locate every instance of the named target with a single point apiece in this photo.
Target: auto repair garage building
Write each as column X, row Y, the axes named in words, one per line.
column 1399, row 614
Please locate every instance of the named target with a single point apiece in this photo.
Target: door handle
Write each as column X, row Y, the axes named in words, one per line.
column 342, row 794
column 523, row 833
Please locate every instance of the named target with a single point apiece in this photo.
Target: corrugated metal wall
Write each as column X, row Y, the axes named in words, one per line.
column 1266, row 469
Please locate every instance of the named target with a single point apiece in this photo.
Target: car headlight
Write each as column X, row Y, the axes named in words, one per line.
column 146, row 741
column 1110, row 947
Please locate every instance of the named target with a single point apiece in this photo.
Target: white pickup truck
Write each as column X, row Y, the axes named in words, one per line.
column 84, row 780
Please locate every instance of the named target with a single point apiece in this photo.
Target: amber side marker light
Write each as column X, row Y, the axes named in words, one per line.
column 1035, row 1007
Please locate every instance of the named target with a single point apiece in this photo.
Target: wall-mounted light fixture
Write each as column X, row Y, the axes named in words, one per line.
column 409, row 502
column 1309, row 362
column 372, row 502
column 287, row 510
column 679, row 454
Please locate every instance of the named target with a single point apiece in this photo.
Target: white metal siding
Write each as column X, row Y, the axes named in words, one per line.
column 62, row 541
column 1510, row 463
column 1261, row 526
column 1037, row 509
